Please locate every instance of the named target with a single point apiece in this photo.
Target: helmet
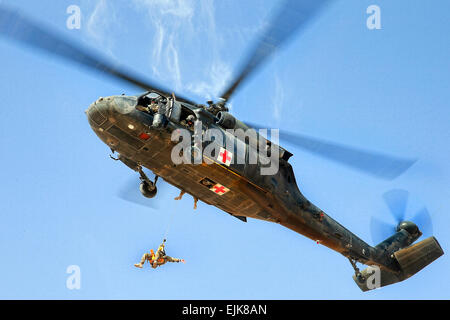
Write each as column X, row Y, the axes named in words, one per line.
column 190, row 118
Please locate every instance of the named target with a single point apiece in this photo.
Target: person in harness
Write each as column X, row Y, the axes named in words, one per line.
column 157, row 259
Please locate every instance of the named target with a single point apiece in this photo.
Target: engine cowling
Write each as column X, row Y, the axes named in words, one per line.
column 228, row 121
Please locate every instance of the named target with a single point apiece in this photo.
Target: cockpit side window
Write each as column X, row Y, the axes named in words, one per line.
column 185, row 112
column 187, row 117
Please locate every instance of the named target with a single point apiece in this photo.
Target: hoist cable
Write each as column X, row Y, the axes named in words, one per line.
column 168, row 225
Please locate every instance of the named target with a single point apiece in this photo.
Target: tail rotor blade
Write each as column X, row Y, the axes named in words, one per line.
column 423, row 220
column 397, row 200
column 380, row 230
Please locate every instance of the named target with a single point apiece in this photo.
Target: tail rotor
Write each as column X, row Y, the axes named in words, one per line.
column 397, row 201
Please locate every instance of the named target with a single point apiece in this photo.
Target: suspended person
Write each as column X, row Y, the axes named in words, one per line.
column 157, row 259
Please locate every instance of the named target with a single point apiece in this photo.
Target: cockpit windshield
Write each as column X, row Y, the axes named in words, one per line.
column 125, row 104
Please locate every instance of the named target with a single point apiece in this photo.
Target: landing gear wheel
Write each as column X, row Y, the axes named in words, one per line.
column 147, row 187
column 147, row 190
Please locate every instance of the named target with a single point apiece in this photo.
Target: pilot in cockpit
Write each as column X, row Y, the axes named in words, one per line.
column 149, row 105
column 189, row 122
column 153, row 106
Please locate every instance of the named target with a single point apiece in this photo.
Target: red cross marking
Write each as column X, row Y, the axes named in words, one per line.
column 218, row 189
column 225, row 156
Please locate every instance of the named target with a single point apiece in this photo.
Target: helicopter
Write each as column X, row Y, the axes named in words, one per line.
column 144, row 131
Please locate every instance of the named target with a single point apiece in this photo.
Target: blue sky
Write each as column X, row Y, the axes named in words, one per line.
column 385, row 90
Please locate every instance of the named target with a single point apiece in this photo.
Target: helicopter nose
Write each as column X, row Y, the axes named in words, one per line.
column 97, row 112
column 110, row 108
column 100, row 115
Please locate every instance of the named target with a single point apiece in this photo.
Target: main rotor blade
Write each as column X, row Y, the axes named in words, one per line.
column 23, row 30
column 373, row 163
column 292, row 16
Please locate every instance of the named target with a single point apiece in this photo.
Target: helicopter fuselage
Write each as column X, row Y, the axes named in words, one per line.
column 240, row 190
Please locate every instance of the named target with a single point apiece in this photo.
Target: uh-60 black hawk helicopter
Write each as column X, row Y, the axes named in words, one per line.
column 140, row 129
